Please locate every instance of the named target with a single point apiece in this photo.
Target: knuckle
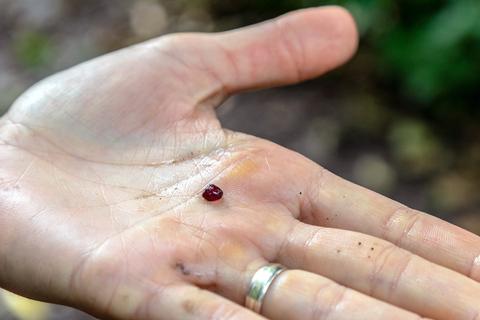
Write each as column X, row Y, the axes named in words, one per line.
column 388, row 270
column 322, row 309
column 400, row 224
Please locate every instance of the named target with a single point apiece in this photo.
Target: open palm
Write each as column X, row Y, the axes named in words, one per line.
column 103, row 169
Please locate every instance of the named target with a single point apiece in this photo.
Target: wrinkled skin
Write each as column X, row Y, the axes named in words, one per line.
column 104, row 164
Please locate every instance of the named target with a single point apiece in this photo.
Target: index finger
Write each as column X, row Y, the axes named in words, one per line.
column 337, row 203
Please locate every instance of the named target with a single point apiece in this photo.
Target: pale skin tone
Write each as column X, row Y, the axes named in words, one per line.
column 103, row 166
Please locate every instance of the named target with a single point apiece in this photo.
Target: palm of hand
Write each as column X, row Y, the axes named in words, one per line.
column 132, row 151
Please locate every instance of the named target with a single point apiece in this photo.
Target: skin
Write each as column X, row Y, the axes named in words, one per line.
column 103, row 167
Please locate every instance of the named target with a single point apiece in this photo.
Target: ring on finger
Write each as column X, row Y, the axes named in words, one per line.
column 261, row 280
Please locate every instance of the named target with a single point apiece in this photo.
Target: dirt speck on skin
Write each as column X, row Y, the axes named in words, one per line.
column 180, row 266
column 189, row 306
column 144, row 196
column 125, row 298
column 359, row 243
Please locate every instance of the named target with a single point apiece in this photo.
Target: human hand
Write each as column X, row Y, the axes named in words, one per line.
column 103, row 167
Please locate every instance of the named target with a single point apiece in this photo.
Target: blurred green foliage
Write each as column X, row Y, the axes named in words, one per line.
column 416, row 150
column 33, row 49
column 426, row 51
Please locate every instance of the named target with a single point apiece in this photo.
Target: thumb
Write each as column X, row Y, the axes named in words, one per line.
column 291, row 48
column 297, row 46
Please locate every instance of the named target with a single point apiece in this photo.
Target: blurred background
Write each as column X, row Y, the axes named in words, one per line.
column 402, row 118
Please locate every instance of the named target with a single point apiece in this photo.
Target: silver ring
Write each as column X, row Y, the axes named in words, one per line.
column 261, row 280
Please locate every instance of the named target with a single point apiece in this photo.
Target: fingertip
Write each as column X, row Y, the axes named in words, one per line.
column 347, row 30
column 330, row 32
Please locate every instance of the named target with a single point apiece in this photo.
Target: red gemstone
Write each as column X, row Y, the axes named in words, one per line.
column 212, row 193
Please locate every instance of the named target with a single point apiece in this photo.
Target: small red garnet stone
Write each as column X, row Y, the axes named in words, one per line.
column 212, row 193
